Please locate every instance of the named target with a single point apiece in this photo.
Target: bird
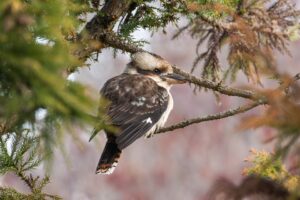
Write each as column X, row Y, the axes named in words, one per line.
column 139, row 104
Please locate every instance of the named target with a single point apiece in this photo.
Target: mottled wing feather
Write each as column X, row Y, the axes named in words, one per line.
column 136, row 104
column 130, row 135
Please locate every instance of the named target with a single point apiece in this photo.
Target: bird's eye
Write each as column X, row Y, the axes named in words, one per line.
column 157, row 71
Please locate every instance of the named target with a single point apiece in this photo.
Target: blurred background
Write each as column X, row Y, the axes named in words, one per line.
column 181, row 164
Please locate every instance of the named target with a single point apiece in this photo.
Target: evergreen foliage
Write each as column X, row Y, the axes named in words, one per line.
column 253, row 30
column 34, row 57
column 266, row 165
column 19, row 154
column 34, row 91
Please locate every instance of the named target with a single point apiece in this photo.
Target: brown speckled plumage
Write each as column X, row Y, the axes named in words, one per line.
column 134, row 98
column 136, row 105
column 139, row 103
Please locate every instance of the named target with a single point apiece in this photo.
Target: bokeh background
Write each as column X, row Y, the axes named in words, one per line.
column 181, row 164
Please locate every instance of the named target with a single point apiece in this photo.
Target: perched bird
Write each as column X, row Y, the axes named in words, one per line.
column 140, row 103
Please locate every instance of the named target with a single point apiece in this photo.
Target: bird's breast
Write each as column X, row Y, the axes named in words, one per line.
column 163, row 119
column 161, row 122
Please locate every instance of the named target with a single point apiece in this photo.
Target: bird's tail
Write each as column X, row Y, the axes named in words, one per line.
column 109, row 158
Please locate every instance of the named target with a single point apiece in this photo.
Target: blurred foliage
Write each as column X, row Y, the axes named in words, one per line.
column 34, row 57
column 19, row 153
column 251, row 187
column 252, row 29
column 212, row 9
column 266, row 165
column 34, row 91
column 282, row 114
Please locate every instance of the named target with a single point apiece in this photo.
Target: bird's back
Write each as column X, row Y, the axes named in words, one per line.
column 136, row 105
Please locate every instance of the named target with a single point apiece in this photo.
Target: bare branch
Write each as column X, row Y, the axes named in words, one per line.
column 220, row 115
column 224, row 90
column 100, row 29
column 219, row 87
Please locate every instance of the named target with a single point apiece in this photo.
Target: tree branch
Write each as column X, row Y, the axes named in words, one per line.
column 105, row 35
column 25, row 179
column 220, row 115
column 100, row 28
column 116, row 42
column 108, row 16
column 113, row 40
column 229, row 91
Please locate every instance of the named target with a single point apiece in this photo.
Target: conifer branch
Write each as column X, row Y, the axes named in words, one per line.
column 217, row 116
column 22, row 157
column 219, row 87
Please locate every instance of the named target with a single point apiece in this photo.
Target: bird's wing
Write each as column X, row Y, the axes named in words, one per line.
column 136, row 104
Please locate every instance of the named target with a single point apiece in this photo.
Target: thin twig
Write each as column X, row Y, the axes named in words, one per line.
column 220, row 115
column 223, row 89
column 26, row 180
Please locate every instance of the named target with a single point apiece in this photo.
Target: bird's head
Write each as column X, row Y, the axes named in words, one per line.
column 155, row 67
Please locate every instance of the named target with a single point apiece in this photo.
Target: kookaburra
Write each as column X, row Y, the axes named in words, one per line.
column 140, row 103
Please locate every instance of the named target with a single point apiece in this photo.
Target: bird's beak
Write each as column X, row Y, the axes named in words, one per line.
column 174, row 78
